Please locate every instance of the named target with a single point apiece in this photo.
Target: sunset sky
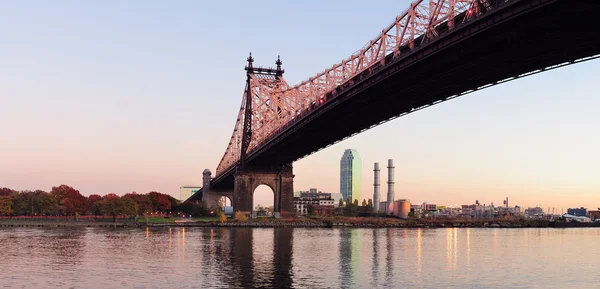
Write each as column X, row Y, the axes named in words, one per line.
column 121, row 96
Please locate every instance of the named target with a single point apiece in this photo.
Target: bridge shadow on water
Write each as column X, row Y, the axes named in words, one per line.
column 251, row 258
column 266, row 258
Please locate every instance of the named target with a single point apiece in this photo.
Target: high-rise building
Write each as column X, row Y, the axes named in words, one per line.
column 351, row 176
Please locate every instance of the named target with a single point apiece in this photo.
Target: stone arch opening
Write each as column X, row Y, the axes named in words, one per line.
column 225, row 202
column 263, row 201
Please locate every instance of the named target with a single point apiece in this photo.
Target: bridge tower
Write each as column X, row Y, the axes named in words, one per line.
column 262, row 102
column 263, row 110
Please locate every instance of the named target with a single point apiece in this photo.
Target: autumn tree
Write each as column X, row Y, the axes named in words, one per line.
column 6, row 192
column 160, row 202
column 370, row 205
column 143, row 202
column 341, row 203
column 364, row 203
column 174, row 203
column 355, row 202
column 95, row 203
column 70, row 200
column 5, row 205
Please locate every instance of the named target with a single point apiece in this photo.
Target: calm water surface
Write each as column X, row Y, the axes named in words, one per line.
column 299, row 258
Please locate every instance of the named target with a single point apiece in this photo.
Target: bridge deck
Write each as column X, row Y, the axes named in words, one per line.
column 521, row 37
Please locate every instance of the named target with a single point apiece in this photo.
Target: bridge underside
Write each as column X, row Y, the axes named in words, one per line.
column 519, row 38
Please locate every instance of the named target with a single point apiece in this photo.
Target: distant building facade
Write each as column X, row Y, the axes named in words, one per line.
column 580, row 212
column 594, row 215
column 351, row 176
column 534, row 212
column 322, row 203
column 185, row 192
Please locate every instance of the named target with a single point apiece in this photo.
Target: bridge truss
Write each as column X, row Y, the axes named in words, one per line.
column 270, row 104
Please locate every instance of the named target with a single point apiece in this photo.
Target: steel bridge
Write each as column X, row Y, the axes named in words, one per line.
column 434, row 51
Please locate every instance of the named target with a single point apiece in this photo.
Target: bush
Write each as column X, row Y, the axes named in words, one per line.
column 222, row 217
column 241, row 217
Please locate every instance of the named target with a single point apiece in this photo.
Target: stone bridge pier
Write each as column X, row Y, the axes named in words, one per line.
column 210, row 196
column 279, row 179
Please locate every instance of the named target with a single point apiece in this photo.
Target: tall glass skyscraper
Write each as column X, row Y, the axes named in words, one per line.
column 351, row 176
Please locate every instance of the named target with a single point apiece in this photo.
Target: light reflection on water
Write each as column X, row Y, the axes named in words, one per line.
column 298, row 258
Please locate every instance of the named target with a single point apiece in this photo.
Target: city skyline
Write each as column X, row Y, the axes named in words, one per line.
column 128, row 105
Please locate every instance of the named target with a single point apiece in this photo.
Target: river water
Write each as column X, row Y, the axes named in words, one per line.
column 299, row 258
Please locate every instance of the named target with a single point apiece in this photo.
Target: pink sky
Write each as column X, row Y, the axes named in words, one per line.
column 111, row 100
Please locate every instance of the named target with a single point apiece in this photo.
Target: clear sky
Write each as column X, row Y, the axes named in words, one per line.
column 121, row 96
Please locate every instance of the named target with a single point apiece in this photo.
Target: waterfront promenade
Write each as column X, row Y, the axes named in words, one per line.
column 300, row 222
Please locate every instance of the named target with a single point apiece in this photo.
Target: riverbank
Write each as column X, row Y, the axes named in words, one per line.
column 319, row 222
column 65, row 225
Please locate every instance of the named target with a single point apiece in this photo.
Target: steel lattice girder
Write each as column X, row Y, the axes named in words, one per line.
column 276, row 104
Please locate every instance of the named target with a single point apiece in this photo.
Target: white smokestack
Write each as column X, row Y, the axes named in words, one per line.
column 390, row 193
column 376, row 185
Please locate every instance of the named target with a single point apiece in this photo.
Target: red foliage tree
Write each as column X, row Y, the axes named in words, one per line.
column 70, row 200
column 160, row 202
column 6, row 192
column 94, row 204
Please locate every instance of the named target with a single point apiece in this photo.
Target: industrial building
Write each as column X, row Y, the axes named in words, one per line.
column 351, row 176
column 376, row 185
column 390, row 193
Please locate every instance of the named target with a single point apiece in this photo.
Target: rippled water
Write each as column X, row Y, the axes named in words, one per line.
column 299, row 258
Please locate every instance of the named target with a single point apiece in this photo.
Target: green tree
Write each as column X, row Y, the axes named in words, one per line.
column 47, row 204
column 143, row 202
column 348, row 201
column 109, row 205
column 6, row 205
column 22, row 203
column 370, row 205
column 127, row 207
column 310, row 209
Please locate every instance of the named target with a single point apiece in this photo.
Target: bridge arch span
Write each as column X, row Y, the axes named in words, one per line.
column 278, row 179
column 264, row 197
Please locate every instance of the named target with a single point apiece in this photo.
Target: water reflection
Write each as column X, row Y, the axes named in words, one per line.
column 468, row 249
column 346, row 253
column 451, row 249
column 297, row 258
column 283, row 256
column 375, row 265
column 67, row 245
column 241, row 256
column 389, row 259
column 419, row 250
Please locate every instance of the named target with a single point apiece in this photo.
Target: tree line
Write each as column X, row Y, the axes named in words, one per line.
column 67, row 201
